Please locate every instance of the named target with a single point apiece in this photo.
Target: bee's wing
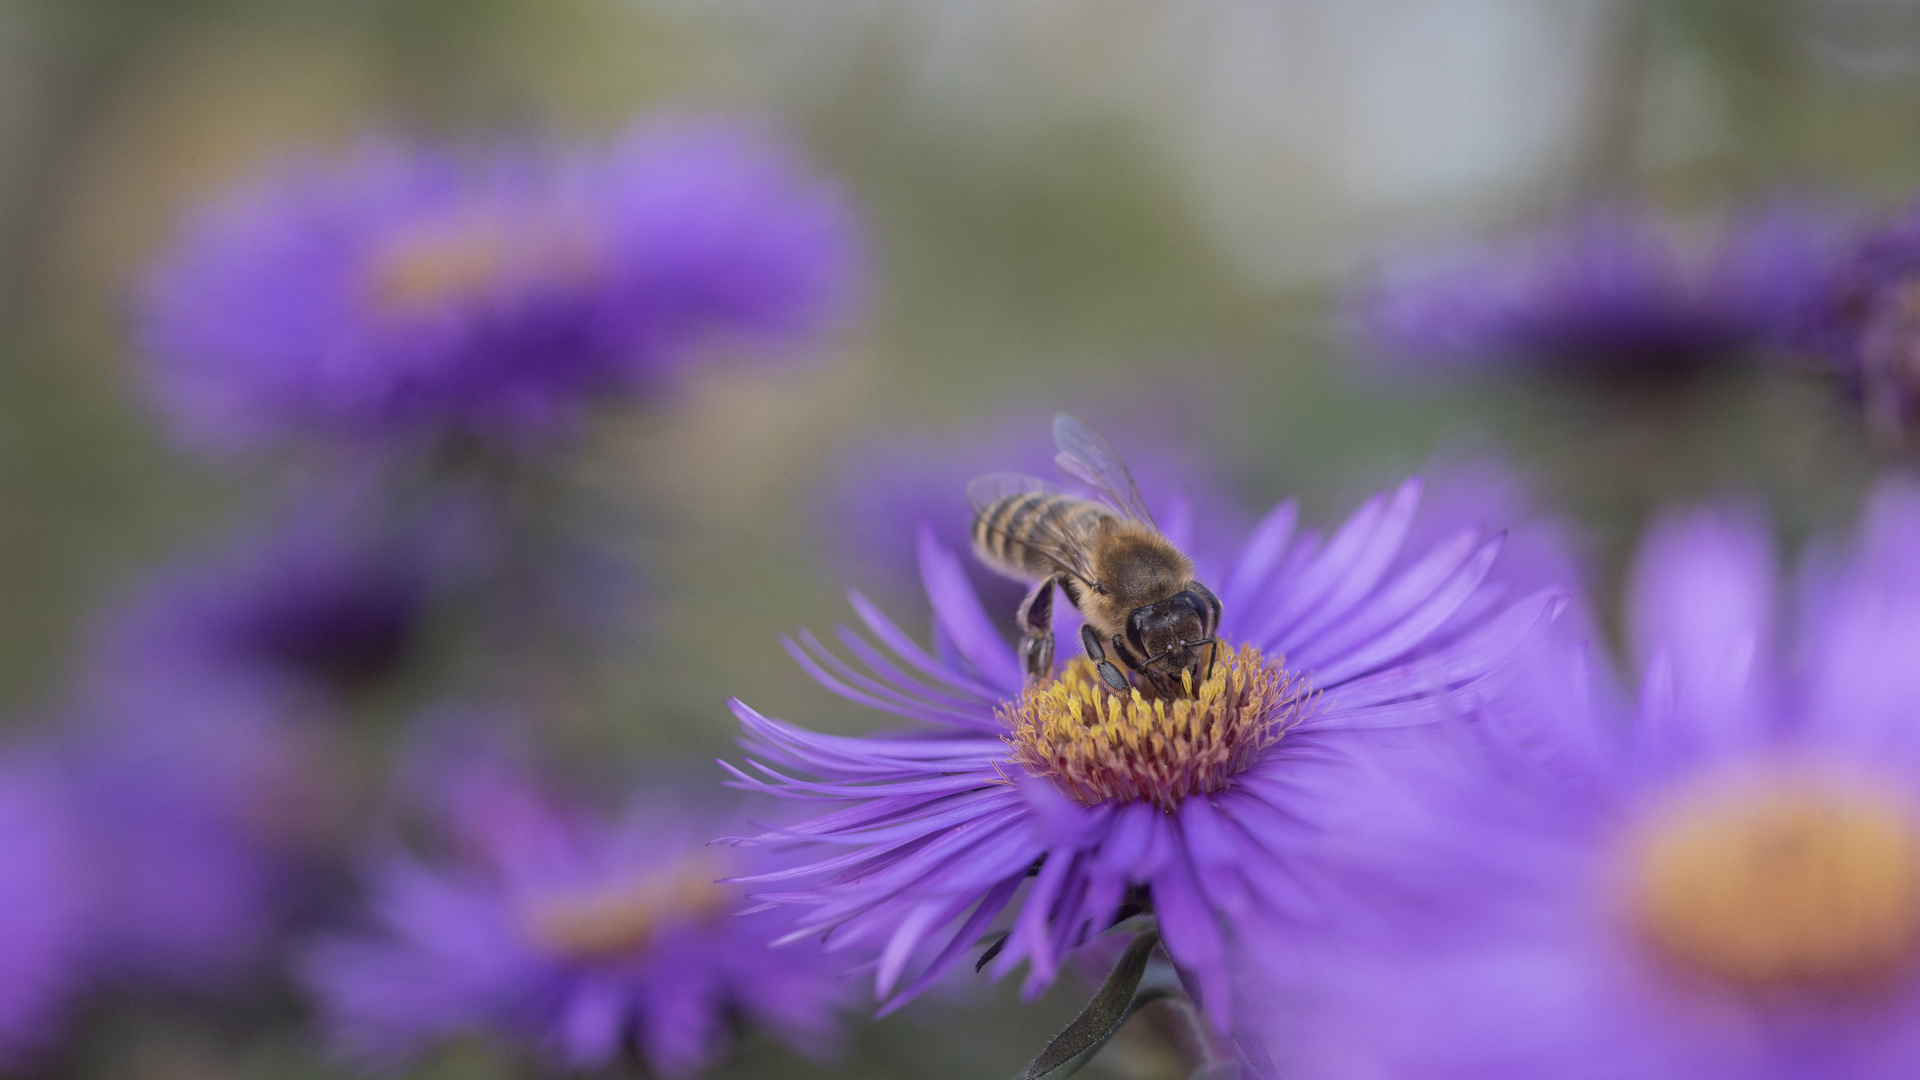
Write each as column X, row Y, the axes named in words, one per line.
column 1047, row 533
column 1088, row 457
column 984, row 491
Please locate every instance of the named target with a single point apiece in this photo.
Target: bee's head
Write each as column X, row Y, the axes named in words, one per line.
column 1176, row 634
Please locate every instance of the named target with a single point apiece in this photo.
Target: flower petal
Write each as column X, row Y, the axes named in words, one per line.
column 957, row 610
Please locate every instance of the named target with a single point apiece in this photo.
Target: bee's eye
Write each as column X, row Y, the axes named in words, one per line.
column 1136, row 629
column 1200, row 604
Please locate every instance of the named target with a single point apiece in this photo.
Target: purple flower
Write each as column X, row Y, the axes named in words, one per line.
column 205, row 792
column 577, row 936
column 719, row 237
column 203, row 811
column 1613, row 292
column 413, row 289
column 197, row 732
column 1865, row 326
column 324, row 594
column 1720, row 879
column 44, row 894
column 1194, row 809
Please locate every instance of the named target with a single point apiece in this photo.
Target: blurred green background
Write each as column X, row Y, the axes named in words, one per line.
column 1068, row 200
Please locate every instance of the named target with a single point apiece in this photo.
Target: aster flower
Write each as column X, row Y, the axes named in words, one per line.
column 413, row 288
column 324, row 594
column 204, row 811
column 44, row 893
column 206, row 794
column 1720, row 879
column 720, row 237
column 1862, row 326
column 1612, row 292
column 196, row 735
column 577, row 936
column 1188, row 807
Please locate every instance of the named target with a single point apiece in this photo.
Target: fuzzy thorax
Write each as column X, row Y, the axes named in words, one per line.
column 1099, row 746
column 616, row 918
column 1783, row 882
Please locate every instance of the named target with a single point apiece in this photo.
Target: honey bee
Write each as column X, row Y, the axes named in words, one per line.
column 1134, row 587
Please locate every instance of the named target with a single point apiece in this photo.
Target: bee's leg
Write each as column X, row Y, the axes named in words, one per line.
column 1155, row 678
column 1108, row 673
column 1036, row 628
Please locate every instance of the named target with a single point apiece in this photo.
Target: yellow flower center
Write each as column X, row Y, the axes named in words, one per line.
column 617, row 918
column 1783, row 882
column 1099, row 746
column 463, row 256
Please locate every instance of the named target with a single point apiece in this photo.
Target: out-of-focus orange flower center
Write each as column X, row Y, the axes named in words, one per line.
column 622, row 916
column 1783, row 882
column 465, row 256
column 1099, row 746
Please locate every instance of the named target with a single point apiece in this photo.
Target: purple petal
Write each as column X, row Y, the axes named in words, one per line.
column 1192, row 934
column 593, row 1022
column 1261, row 553
column 904, row 647
column 1702, row 593
column 1366, row 566
column 1455, row 665
column 957, row 610
column 1419, row 625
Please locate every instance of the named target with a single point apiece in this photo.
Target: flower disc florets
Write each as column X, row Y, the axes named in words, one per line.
column 1099, row 746
column 1792, row 882
column 473, row 251
column 612, row 920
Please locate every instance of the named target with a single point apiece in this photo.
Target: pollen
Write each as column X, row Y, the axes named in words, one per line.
column 1099, row 746
column 616, row 919
column 466, row 255
column 1783, row 883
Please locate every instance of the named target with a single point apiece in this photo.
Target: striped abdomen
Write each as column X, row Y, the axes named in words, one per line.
column 1015, row 534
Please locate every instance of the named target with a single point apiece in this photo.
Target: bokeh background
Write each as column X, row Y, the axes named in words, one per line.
column 1140, row 209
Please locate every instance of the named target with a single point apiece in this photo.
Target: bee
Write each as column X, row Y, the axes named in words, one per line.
column 1134, row 587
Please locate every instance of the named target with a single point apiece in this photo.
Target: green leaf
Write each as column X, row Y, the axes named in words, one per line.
column 1134, row 924
column 991, row 951
column 1105, row 1014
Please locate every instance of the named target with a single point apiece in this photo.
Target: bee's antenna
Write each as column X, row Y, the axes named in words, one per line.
column 1183, row 645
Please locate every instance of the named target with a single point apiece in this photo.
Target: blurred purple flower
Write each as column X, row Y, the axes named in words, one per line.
column 204, row 809
column 937, row 830
column 1865, row 326
column 198, row 730
column 1720, row 880
column 1612, row 292
column 414, row 290
column 571, row 934
column 44, row 913
column 719, row 234
column 324, row 594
